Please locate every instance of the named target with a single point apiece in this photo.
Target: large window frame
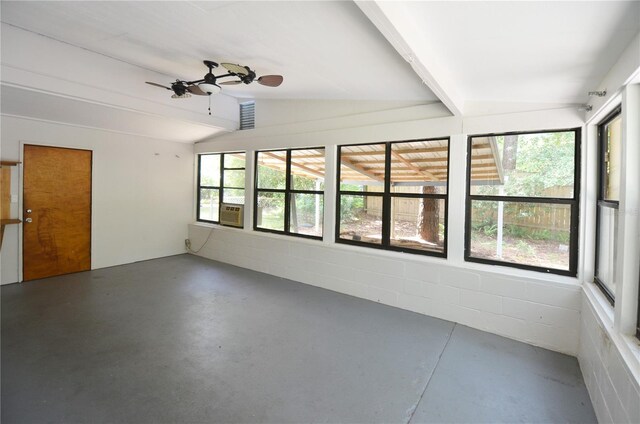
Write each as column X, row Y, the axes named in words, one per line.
column 602, row 202
column 573, row 202
column 221, row 187
column 288, row 192
column 387, row 197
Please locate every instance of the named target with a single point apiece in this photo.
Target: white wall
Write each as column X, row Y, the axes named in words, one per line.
column 271, row 112
column 142, row 192
column 608, row 362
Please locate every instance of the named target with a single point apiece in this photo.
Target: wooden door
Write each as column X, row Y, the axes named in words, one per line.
column 57, row 211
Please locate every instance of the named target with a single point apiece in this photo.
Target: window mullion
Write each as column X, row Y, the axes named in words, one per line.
column 287, row 194
column 198, row 200
column 221, row 189
column 386, row 198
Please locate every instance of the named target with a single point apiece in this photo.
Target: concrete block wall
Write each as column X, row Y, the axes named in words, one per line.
column 538, row 312
column 614, row 391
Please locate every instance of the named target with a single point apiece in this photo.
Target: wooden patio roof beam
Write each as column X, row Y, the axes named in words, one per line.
column 304, row 168
column 360, row 170
column 319, row 155
column 423, row 160
column 401, row 151
column 420, row 171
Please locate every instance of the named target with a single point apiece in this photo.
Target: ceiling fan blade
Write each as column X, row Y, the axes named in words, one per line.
column 194, row 89
column 157, row 85
column 230, row 82
column 270, row 80
column 235, row 69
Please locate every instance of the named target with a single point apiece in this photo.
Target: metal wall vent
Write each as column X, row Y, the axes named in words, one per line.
column 247, row 115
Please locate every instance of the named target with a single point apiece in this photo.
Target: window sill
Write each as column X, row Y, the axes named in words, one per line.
column 217, row 226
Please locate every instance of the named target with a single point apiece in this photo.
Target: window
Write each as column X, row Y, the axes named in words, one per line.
column 289, row 195
column 522, row 200
column 220, row 180
column 609, row 143
column 393, row 195
column 247, row 115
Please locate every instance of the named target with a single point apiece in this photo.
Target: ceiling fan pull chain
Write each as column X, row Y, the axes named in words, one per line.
column 209, row 104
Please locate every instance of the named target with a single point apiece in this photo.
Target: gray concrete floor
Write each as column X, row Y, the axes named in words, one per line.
column 184, row 339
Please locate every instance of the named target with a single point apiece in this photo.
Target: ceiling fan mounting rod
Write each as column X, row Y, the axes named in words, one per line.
column 203, row 80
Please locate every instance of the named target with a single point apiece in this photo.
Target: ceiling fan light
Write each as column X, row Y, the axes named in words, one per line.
column 209, row 88
column 181, row 96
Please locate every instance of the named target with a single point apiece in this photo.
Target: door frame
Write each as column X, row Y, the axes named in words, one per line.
column 22, row 143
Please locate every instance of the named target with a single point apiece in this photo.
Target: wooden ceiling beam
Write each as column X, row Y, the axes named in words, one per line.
column 293, row 164
column 307, row 156
column 420, row 171
column 360, row 170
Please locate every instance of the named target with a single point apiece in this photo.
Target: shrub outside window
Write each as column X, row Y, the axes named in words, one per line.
column 221, row 179
column 522, row 200
column 393, row 195
column 609, row 144
column 289, row 194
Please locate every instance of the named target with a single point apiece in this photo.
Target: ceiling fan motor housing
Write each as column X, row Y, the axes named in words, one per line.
column 210, row 78
column 179, row 88
column 248, row 79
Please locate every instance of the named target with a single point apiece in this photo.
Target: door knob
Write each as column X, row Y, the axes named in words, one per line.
column 28, row 220
column 28, row 210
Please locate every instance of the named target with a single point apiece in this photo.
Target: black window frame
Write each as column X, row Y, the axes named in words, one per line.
column 220, row 188
column 386, row 195
column 574, row 202
column 287, row 191
column 601, row 202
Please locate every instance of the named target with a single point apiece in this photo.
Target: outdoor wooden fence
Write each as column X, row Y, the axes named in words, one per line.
column 527, row 215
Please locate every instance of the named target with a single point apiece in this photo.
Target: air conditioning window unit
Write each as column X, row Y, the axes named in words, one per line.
column 231, row 214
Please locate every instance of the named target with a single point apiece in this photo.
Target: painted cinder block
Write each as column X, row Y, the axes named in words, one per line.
column 481, row 301
column 353, row 289
column 374, row 279
column 427, row 272
column 413, row 288
column 442, row 293
column 413, row 303
column 503, row 325
column 387, row 297
column 376, row 264
column 317, row 253
column 552, row 337
column 461, row 279
column 544, row 314
column 612, row 388
column 508, row 287
column 553, row 295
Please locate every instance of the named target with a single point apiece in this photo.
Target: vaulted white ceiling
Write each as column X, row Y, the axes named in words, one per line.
column 471, row 56
column 324, row 50
column 550, row 52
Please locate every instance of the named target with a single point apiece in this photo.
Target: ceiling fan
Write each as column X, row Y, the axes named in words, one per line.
column 209, row 84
